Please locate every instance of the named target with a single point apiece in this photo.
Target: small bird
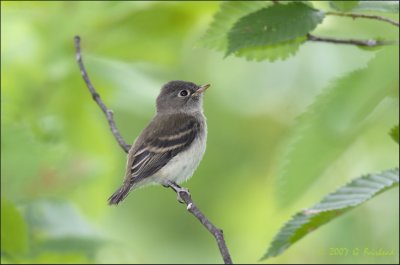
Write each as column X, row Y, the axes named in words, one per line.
column 170, row 148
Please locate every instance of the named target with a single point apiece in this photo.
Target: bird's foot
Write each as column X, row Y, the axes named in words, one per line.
column 178, row 189
column 178, row 194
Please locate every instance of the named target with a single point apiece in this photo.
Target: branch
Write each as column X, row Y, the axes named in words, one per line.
column 365, row 43
column 96, row 97
column 354, row 16
column 183, row 194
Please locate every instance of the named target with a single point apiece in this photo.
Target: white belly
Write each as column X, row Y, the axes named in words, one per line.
column 183, row 165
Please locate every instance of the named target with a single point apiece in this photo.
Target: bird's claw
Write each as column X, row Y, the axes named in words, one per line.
column 178, row 189
column 178, row 194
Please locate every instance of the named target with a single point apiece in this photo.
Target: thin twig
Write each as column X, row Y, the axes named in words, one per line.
column 365, row 43
column 96, row 97
column 182, row 193
column 354, row 16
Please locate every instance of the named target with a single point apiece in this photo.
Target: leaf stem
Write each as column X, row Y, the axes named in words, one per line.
column 365, row 43
column 354, row 16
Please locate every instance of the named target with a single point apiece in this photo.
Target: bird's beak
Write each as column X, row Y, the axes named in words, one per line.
column 201, row 89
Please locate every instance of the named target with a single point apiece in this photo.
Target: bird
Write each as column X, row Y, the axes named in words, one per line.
column 171, row 146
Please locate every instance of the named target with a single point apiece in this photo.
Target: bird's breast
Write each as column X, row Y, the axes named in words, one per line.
column 183, row 165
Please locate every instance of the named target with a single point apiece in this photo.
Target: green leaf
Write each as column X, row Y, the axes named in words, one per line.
column 14, row 232
column 379, row 6
column 272, row 25
column 334, row 120
column 229, row 12
column 345, row 198
column 58, row 226
column 271, row 53
column 343, row 5
column 394, row 132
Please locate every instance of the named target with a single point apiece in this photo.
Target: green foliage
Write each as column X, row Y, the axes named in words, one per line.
column 57, row 258
column 394, row 133
column 229, row 12
column 262, row 31
column 216, row 36
column 60, row 162
column 272, row 25
column 378, row 6
column 343, row 5
column 333, row 205
column 59, row 227
column 14, row 234
column 56, row 231
column 271, row 53
column 333, row 122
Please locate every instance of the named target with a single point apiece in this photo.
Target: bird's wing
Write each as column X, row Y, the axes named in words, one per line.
column 160, row 146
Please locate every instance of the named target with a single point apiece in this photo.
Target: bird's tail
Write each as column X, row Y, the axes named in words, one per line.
column 119, row 195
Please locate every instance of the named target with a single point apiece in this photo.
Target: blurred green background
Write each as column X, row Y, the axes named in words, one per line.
column 60, row 163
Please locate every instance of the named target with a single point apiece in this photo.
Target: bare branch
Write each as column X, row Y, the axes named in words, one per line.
column 354, row 16
column 96, row 97
column 183, row 194
column 365, row 43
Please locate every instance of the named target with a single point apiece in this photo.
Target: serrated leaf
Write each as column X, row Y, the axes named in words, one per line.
column 343, row 5
column 14, row 231
column 273, row 25
column 394, row 133
column 333, row 122
column 271, row 53
column 333, row 205
column 379, row 6
column 229, row 12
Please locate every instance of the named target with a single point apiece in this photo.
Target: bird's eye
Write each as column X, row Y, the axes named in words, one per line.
column 183, row 93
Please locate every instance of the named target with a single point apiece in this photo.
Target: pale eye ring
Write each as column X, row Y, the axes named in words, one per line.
column 183, row 93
